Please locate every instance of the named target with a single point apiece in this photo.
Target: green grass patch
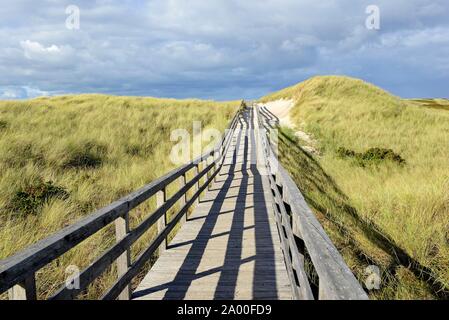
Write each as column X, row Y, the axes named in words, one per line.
column 373, row 156
column 83, row 155
column 3, row 125
column 32, row 198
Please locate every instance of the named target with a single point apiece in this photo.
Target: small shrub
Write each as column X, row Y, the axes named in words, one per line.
column 371, row 156
column 3, row 125
column 345, row 153
column 18, row 153
column 379, row 154
column 133, row 150
column 30, row 199
column 85, row 155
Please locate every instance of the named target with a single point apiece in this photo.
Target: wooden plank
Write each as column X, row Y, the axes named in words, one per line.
column 146, row 255
column 250, row 254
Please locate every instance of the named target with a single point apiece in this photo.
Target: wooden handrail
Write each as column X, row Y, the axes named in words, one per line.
column 298, row 224
column 17, row 272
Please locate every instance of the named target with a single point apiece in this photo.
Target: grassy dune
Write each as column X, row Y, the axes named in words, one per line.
column 378, row 212
column 63, row 157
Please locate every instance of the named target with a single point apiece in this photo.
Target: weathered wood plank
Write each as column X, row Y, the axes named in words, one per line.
column 229, row 247
column 144, row 256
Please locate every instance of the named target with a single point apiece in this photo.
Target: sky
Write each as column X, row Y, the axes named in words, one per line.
column 219, row 49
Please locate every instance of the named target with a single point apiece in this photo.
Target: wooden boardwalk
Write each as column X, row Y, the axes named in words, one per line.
column 229, row 248
column 251, row 236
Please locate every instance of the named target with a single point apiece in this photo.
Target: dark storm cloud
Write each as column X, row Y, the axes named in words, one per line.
column 220, row 49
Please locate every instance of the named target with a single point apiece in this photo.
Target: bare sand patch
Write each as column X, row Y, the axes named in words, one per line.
column 281, row 109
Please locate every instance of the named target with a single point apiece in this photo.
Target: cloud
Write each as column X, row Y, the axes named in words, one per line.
column 33, row 50
column 21, row 93
column 8, row 94
column 222, row 49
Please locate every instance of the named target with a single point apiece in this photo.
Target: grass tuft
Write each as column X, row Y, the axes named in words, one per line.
column 84, row 155
column 32, row 198
column 3, row 125
column 373, row 156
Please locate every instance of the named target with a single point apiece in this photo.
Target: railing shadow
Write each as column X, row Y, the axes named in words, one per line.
column 265, row 269
column 264, row 284
column 318, row 188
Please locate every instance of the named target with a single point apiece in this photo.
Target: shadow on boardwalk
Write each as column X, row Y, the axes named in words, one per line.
column 238, row 167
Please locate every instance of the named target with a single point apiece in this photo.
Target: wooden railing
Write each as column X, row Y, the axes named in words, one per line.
column 305, row 244
column 17, row 273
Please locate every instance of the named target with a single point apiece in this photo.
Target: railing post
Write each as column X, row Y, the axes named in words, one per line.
column 293, row 218
column 197, row 184
column 161, row 197
column 209, row 174
column 183, row 182
column 25, row 290
column 217, row 156
column 124, row 261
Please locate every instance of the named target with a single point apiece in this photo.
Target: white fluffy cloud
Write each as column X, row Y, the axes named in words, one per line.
column 224, row 49
column 35, row 51
column 21, row 92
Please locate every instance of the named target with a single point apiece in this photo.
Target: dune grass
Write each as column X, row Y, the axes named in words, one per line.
column 63, row 157
column 392, row 215
column 441, row 104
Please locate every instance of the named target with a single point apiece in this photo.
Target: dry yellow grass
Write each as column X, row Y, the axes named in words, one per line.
column 98, row 148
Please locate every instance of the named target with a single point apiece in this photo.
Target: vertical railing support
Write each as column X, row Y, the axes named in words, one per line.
column 124, row 261
column 217, row 156
column 161, row 197
column 209, row 173
column 25, row 290
column 197, row 184
column 183, row 182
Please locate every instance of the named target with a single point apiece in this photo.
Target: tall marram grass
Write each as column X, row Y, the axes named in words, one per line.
column 97, row 149
column 394, row 216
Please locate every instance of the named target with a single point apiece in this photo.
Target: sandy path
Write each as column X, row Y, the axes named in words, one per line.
column 281, row 109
